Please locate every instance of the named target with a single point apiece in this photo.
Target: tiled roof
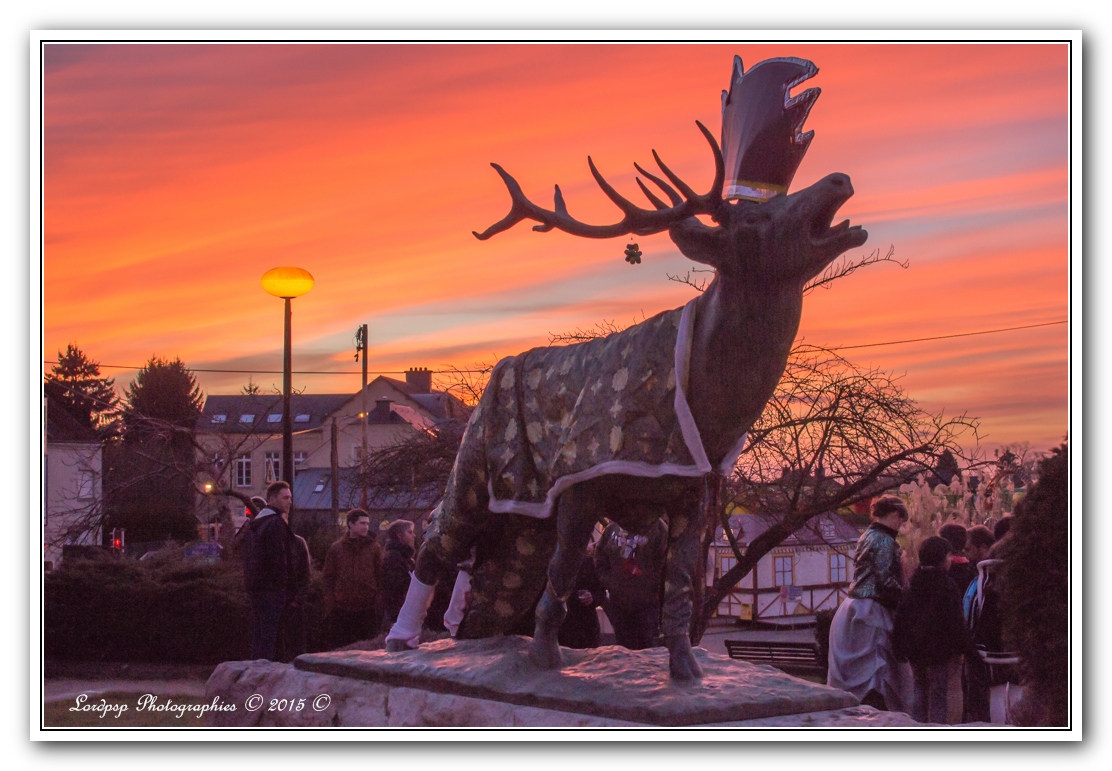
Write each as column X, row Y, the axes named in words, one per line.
column 307, row 496
column 61, row 426
column 234, row 406
column 439, row 404
column 827, row 528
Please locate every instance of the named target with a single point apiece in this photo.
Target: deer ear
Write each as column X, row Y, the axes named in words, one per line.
column 699, row 242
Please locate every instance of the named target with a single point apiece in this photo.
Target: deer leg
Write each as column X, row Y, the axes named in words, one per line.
column 577, row 512
column 684, row 539
column 457, row 525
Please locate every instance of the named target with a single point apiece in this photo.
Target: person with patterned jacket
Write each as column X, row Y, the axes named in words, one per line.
column 861, row 658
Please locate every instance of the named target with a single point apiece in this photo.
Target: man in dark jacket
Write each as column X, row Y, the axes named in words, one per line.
column 930, row 630
column 350, row 583
column 396, row 567
column 270, row 575
column 631, row 568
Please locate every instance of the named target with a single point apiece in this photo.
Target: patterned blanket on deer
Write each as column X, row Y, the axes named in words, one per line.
column 553, row 417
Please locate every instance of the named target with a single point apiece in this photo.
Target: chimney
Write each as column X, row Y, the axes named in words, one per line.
column 381, row 412
column 418, row 380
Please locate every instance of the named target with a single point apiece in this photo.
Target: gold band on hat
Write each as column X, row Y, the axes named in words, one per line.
column 753, row 191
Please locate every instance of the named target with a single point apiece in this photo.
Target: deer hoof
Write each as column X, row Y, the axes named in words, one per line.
column 545, row 654
column 682, row 665
column 396, row 646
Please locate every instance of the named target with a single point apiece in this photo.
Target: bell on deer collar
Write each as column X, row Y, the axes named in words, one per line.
column 633, row 254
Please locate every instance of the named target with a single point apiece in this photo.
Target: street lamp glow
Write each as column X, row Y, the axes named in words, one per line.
column 287, row 281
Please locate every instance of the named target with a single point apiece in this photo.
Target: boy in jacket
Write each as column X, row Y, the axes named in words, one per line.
column 930, row 630
column 350, row 582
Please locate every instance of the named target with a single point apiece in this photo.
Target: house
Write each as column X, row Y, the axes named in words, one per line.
column 241, row 437
column 72, row 481
column 810, row 571
column 312, row 501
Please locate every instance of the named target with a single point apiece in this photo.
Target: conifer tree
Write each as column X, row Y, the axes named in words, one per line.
column 1035, row 592
column 163, row 392
column 76, row 384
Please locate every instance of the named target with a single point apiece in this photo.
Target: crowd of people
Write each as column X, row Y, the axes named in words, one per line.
column 944, row 622
column 363, row 584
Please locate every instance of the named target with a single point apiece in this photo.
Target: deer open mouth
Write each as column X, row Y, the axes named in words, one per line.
column 825, row 235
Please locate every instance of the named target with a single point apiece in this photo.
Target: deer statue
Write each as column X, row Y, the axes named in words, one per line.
column 633, row 425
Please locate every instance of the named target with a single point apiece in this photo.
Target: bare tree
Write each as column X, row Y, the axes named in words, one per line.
column 833, row 434
column 840, row 269
column 846, row 265
column 203, row 468
column 467, row 385
column 601, row 329
column 413, row 472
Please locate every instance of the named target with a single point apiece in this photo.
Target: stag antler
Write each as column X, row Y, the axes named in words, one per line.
column 640, row 221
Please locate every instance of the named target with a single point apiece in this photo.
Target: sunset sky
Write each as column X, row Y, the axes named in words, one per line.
column 175, row 175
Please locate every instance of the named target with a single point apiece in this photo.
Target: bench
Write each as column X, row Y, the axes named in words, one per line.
column 788, row 656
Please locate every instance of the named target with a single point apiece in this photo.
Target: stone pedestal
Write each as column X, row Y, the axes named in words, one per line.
column 490, row 683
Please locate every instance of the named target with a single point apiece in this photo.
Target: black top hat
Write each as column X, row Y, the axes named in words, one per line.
column 761, row 124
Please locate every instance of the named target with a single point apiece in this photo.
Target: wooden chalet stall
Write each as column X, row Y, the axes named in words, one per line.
column 809, row 571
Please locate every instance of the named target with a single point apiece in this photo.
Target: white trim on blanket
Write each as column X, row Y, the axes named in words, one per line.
column 688, row 429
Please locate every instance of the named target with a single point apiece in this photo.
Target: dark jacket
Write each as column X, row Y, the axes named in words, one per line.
column 632, row 567
column 396, row 567
column 302, row 573
column 581, row 628
column 963, row 572
column 270, row 554
column 929, row 626
column 877, row 572
column 351, row 573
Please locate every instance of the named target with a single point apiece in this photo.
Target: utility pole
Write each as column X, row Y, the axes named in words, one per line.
column 335, row 480
column 361, row 347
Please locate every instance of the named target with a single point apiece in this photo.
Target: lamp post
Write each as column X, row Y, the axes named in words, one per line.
column 287, row 283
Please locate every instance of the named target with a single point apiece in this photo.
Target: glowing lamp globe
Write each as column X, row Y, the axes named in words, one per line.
column 287, row 282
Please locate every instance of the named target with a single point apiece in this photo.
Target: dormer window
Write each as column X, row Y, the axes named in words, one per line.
column 274, row 418
column 246, row 418
column 219, row 418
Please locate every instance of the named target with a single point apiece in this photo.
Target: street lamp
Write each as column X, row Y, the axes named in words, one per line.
column 287, row 282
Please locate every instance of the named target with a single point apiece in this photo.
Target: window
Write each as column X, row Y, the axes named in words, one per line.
column 837, row 568
column 273, row 462
column 85, row 486
column 724, row 565
column 246, row 418
column 243, row 471
column 219, row 418
column 320, row 485
column 301, row 419
column 274, row 418
column 827, row 531
column 298, row 459
column 782, row 568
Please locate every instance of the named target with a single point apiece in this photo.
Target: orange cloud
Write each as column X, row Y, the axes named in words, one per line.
column 175, row 175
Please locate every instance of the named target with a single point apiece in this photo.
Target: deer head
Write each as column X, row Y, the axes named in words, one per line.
column 763, row 235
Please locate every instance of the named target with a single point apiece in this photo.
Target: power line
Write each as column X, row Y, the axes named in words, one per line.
column 474, row 371
column 947, row 337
